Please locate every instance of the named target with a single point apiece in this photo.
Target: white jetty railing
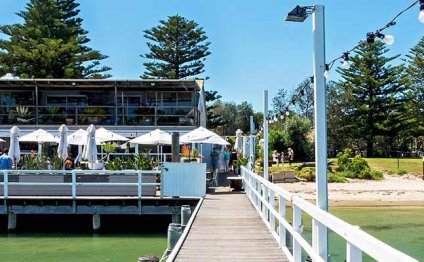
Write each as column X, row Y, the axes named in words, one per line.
column 263, row 194
column 6, row 184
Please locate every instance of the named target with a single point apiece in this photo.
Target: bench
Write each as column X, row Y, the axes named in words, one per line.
column 236, row 182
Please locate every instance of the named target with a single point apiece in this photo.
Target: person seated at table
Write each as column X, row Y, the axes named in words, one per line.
column 69, row 162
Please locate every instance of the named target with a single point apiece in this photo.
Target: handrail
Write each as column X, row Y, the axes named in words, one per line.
column 173, row 255
column 258, row 191
column 73, row 184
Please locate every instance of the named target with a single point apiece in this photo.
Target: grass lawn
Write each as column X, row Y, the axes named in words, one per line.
column 413, row 166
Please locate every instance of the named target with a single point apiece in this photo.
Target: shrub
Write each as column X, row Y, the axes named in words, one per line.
column 307, row 173
column 336, row 178
column 343, row 159
column 398, row 171
column 376, row 175
column 356, row 167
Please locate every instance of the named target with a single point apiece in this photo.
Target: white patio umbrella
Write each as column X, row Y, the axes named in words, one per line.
column 39, row 136
column 90, row 148
column 202, row 136
column 215, row 139
column 156, row 137
column 106, row 135
column 14, row 150
column 238, row 145
column 199, row 133
column 62, row 148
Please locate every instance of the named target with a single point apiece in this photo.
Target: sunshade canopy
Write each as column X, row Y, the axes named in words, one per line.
column 155, row 137
column 39, row 136
column 197, row 134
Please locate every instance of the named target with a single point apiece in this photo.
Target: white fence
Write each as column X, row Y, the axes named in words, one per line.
column 263, row 194
column 73, row 184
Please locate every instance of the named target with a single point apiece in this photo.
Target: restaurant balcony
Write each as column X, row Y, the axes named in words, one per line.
column 99, row 115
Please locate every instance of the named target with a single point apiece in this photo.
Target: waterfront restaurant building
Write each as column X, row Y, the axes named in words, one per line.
column 128, row 107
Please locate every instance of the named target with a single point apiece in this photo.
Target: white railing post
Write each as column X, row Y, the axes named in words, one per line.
column 282, row 231
column 271, row 215
column 74, row 184
column 5, row 184
column 297, row 224
column 353, row 254
column 139, row 183
column 265, row 199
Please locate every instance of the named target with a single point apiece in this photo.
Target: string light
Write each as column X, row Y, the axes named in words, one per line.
column 346, row 64
column 370, row 37
column 421, row 14
column 327, row 71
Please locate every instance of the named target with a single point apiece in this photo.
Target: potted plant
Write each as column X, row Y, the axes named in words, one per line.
column 22, row 114
column 68, row 119
column 109, row 148
column 53, row 110
column 188, row 155
column 93, row 115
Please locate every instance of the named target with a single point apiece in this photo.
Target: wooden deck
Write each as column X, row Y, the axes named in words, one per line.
column 228, row 228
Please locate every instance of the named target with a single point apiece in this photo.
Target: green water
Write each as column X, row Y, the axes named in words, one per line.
column 401, row 228
column 37, row 247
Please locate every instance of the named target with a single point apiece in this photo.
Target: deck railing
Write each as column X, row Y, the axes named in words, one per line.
column 6, row 184
column 263, row 194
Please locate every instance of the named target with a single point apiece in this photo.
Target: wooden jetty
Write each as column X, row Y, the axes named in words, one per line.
column 228, row 228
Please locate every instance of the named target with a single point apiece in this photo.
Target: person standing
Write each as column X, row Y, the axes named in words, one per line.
column 227, row 155
column 290, row 154
column 214, row 159
column 5, row 160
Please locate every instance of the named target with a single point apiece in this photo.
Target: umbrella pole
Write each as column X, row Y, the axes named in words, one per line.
column 40, row 148
column 157, row 152
column 201, row 153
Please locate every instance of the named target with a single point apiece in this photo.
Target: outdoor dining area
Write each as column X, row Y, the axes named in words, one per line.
column 97, row 149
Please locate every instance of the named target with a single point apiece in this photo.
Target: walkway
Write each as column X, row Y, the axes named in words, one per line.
column 228, row 228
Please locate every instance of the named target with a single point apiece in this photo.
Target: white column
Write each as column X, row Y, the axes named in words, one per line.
column 266, row 135
column 252, row 144
column 320, row 234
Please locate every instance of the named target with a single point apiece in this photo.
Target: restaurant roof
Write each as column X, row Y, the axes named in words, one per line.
column 187, row 84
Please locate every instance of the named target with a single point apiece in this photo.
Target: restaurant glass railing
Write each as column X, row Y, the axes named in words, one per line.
column 100, row 115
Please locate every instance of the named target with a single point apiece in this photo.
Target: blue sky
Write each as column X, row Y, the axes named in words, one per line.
column 253, row 48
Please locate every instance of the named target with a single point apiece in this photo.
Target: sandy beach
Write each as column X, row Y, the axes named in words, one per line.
column 406, row 190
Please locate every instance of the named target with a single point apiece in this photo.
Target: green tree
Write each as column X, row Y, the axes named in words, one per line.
column 378, row 94
column 178, row 49
column 303, row 99
column 50, row 43
column 292, row 131
column 415, row 73
column 214, row 120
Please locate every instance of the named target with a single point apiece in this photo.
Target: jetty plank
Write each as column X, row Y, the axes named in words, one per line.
column 228, row 228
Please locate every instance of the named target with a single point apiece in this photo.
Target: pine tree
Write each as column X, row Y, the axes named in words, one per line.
column 415, row 73
column 50, row 43
column 377, row 95
column 177, row 48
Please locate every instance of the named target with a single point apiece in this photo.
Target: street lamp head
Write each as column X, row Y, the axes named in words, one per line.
column 298, row 14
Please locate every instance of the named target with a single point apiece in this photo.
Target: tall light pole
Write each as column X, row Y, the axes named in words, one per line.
column 299, row 14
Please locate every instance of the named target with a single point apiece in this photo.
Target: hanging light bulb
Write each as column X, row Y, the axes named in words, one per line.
column 282, row 117
column 389, row 39
column 287, row 113
column 346, row 64
column 275, row 119
column 421, row 14
column 327, row 71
